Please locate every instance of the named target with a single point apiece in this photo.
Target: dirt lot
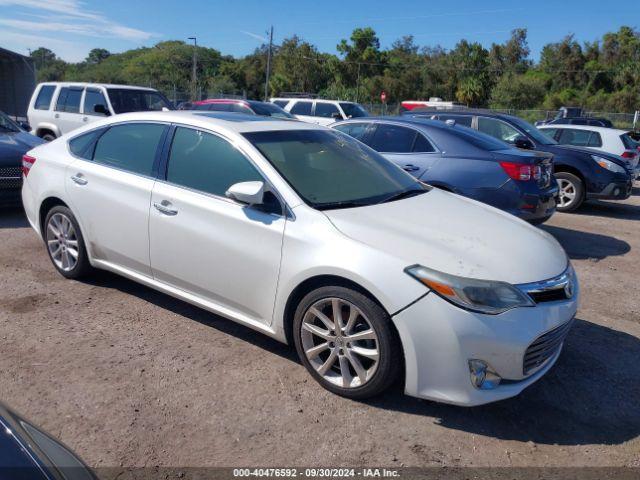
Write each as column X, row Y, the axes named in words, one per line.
column 127, row 376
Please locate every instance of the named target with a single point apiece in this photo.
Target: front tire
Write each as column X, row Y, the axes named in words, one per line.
column 346, row 342
column 48, row 137
column 571, row 192
column 65, row 244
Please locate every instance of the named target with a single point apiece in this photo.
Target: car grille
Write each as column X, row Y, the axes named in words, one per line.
column 552, row 295
column 544, row 347
column 10, row 177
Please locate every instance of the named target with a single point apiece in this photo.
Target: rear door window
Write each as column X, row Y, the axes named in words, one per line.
column 595, row 140
column 80, row 146
column 43, row 101
column 393, row 139
column 326, row 110
column 131, row 147
column 281, row 103
column 422, row 145
column 69, row 100
column 302, row 108
column 355, row 130
column 578, row 138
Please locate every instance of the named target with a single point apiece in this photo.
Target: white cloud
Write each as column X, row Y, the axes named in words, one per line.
column 67, row 19
column 252, row 35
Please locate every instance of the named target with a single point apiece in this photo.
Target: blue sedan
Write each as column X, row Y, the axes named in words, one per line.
column 15, row 141
column 463, row 161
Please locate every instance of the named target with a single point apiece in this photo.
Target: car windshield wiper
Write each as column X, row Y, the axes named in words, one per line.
column 344, row 204
column 405, row 194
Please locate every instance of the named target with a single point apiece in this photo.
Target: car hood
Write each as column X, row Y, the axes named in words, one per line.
column 15, row 144
column 565, row 149
column 456, row 235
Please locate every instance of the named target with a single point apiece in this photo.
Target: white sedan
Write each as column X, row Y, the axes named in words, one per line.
column 309, row 236
column 609, row 140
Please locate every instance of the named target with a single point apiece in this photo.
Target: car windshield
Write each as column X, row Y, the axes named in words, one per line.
column 7, row 125
column 533, row 132
column 269, row 110
column 353, row 110
column 125, row 100
column 329, row 169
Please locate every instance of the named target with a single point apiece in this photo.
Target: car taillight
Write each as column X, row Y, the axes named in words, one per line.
column 522, row 171
column 27, row 163
column 628, row 154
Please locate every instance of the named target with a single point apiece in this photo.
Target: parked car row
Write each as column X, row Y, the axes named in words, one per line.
column 312, row 237
column 581, row 173
column 456, row 159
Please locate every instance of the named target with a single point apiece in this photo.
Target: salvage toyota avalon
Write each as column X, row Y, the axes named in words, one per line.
column 309, row 236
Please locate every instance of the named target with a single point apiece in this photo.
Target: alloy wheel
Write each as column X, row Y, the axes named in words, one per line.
column 62, row 242
column 340, row 343
column 567, row 193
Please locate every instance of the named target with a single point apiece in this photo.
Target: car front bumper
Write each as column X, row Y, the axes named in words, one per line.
column 615, row 190
column 439, row 339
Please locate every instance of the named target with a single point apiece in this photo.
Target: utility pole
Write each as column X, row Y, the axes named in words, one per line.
column 358, row 85
column 266, row 82
column 194, row 73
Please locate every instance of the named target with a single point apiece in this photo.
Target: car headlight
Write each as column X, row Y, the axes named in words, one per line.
column 608, row 164
column 484, row 296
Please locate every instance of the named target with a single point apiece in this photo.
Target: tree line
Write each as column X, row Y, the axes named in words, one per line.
column 602, row 75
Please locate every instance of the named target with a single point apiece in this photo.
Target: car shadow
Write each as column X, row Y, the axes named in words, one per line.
column 619, row 210
column 106, row 279
column 581, row 245
column 589, row 397
column 13, row 217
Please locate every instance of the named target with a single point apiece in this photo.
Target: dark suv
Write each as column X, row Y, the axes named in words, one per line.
column 581, row 173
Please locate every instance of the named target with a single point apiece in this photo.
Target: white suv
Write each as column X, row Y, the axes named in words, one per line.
column 322, row 112
column 59, row 107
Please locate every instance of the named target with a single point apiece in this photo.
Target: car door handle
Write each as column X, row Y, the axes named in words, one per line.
column 165, row 207
column 57, row 115
column 84, row 119
column 410, row 168
column 79, row 179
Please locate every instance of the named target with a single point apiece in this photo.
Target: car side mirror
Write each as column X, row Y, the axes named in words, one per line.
column 336, row 116
column 25, row 126
column 101, row 109
column 523, row 142
column 251, row 193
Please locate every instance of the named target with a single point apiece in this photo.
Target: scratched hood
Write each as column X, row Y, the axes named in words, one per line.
column 455, row 235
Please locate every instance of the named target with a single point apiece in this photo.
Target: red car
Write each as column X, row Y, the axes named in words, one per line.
column 250, row 107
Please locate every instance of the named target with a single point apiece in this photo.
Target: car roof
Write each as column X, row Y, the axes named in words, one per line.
column 230, row 121
column 404, row 120
column 595, row 128
column 219, row 100
column 309, row 99
column 105, row 85
column 454, row 111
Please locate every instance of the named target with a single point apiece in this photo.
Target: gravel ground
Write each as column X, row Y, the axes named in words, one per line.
column 127, row 376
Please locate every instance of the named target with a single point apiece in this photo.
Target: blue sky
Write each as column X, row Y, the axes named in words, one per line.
column 72, row 27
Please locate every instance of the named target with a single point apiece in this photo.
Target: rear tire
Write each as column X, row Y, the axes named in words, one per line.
column 65, row 244
column 571, row 192
column 357, row 356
